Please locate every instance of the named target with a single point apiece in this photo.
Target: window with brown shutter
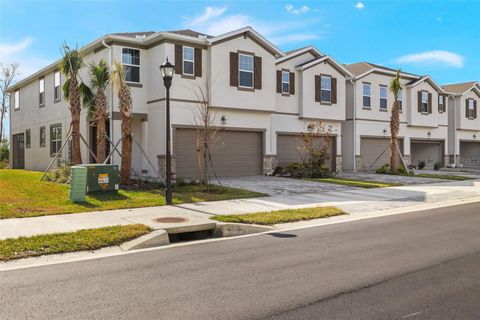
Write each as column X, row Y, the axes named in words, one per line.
column 419, row 101
column 317, row 88
column 292, row 82
column 441, row 103
column 334, row 90
column 475, row 109
column 429, row 102
column 279, row 81
column 198, row 62
column 178, row 58
column 234, row 69
column 257, row 73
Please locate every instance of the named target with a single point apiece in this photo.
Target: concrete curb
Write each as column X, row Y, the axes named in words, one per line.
column 154, row 239
column 225, row 229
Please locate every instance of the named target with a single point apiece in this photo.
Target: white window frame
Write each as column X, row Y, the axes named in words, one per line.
column 57, row 85
column 384, row 98
column 55, row 139
column 244, row 70
column 426, row 103
column 369, row 85
column 192, row 61
column 400, row 99
column 41, row 90
column 16, row 100
column 325, row 89
column 286, row 82
column 133, row 65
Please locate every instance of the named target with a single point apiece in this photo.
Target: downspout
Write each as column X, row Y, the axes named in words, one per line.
column 352, row 81
column 454, row 131
column 110, row 61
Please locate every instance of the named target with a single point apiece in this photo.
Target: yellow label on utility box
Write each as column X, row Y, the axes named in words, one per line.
column 103, row 178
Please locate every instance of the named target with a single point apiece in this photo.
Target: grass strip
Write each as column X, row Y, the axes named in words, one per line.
column 356, row 183
column 442, row 176
column 88, row 239
column 281, row 216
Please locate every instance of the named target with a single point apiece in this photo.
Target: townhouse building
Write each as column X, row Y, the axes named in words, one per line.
column 263, row 99
column 423, row 134
column 464, row 123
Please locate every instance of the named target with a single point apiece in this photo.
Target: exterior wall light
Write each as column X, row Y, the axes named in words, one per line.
column 384, row 131
column 224, row 119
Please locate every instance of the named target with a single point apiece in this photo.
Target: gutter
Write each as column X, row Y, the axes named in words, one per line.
column 110, row 62
column 352, row 81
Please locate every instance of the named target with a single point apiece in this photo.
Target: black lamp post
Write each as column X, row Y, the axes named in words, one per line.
column 167, row 70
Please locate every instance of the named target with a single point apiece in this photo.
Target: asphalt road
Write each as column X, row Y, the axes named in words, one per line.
column 422, row 265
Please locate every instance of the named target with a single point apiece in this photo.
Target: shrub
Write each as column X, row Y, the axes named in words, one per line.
column 61, row 174
column 384, row 169
column 437, row 166
column 4, row 150
column 295, row 170
column 309, row 169
column 421, row 164
column 278, row 171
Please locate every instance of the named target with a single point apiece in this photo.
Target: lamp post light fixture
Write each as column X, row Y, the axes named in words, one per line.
column 167, row 70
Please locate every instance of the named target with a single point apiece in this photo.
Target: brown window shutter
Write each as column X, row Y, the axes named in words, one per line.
column 429, row 102
column 198, row 62
column 334, row 90
column 257, row 72
column 419, row 101
column 292, row 82
column 178, row 58
column 466, row 108
column 279, row 81
column 317, row 88
column 475, row 109
column 234, row 69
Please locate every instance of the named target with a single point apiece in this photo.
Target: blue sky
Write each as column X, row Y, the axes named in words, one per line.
column 440, row 38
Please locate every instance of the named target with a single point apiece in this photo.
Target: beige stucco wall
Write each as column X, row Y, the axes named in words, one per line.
column 416, row 118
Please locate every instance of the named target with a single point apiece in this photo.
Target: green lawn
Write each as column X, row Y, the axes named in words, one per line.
column 356, row 183
column 441, row 176
column 281, row 216
column 89, row 239
column 22, row 194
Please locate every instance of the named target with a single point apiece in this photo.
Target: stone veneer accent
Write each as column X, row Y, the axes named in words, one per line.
column 408, row 159
column 270, row 162
column 358, row 163
column 446, row 160
column 161, row 166
column 338, row 163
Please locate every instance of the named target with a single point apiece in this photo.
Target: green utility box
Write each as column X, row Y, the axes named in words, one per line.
column 102, row 177
column 78, row 183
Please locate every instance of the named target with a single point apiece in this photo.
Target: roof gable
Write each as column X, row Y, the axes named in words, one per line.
column 340, row 68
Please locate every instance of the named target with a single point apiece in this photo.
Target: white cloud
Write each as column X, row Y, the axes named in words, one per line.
column 291, row 9
column 216, row 20
column 446, row 58
column 19, row 52
column 359, row 5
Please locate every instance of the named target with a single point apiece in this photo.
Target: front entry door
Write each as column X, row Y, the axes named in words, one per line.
column 18, row 151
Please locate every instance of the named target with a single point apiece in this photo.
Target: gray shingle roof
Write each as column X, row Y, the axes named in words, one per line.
column 458, row 87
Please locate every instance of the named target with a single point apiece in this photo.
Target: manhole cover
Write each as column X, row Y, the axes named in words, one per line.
column 170, row 220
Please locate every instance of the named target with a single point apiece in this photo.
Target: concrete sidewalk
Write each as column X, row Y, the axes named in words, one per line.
column 354, row 201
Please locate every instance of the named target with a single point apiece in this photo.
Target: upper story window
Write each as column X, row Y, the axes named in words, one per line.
column 367, row 95
column 131, row 64
column 41, row 92
column 188, row 61
column 383, row 97
column 470, row 113
column 441, row 103
column 285, row 82
column 424, row 108
column 245, row 70
column 400, row 99
column 56, row 86
column 326, row 89
column 16, row 99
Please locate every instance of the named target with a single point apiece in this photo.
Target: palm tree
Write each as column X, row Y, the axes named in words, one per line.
column 395, row 87
column 70, row 66
column 125, row 107
column 98, row 107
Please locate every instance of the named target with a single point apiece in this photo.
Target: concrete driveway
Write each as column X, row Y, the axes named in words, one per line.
column 281, row 186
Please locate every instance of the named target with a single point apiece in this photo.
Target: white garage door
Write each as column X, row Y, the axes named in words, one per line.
column 375, row 152
column 430, row 152
column 470, row 153
column 236, row 153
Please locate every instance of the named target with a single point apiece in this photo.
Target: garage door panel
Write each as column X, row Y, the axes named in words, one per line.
column 290, row 149
column 372, row 148
column 234, row 153
column 470, row 153
column 428, row 151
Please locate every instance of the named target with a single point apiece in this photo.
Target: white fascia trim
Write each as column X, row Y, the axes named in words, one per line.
column 322, row 59
column 393, row 73
column 299, row 52
column 250, row 30
column 428, row 78
column 173, row 36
